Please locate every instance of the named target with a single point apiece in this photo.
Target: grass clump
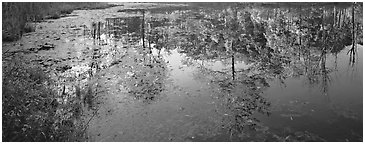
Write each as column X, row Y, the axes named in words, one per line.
column 31, row 107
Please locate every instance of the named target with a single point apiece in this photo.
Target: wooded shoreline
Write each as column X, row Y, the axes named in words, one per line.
column 18, row 15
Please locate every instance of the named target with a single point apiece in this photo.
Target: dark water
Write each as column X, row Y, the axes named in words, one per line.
column 248, row 73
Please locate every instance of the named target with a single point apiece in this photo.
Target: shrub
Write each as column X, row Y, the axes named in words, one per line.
column 8, row 37
column 54, row 16
column 31, row 111
column 29, row 27
column 66, row 9
column 12, row 26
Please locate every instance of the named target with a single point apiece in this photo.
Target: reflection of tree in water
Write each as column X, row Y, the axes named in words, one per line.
column 311, row 36
column 118, row 27
column 283, row 42
column 240, row 98
column 292, row 42
column 221, row 36
column 243, row 99
column 147, row 73
column 279, row 42
column 278, row 39
column 146, row 80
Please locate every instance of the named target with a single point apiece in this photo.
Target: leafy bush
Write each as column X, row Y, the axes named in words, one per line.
column 29, row 27
column 8, row 36
column 55, row 16
column 66, row 9
column 31, row 110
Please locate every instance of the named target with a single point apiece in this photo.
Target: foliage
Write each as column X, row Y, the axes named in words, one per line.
column 29, row 27
column 31, row 107
column 15, row 15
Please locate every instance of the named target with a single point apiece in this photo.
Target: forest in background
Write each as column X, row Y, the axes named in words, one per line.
column 18, row 16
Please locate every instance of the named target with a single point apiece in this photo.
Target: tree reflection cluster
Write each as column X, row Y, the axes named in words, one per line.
column 279, row 41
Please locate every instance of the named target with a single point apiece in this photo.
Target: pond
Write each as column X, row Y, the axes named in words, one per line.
column 241, row 72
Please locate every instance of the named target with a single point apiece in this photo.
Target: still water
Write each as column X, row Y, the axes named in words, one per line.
column 245, row 73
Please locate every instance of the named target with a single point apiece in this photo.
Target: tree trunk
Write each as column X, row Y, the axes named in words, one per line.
column 339, row 19
column 334, row 16
column 300, row 27
column 353, row 27
column 344, row 17
column 143, row 29
column 149, row 37
column 99, row 25
column 275, row 13
column 233, row 70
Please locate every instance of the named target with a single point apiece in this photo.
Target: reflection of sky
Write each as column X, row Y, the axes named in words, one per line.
column 181, row 74
column 346, row 86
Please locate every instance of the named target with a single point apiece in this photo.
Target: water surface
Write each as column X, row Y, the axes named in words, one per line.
column 246, row 73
